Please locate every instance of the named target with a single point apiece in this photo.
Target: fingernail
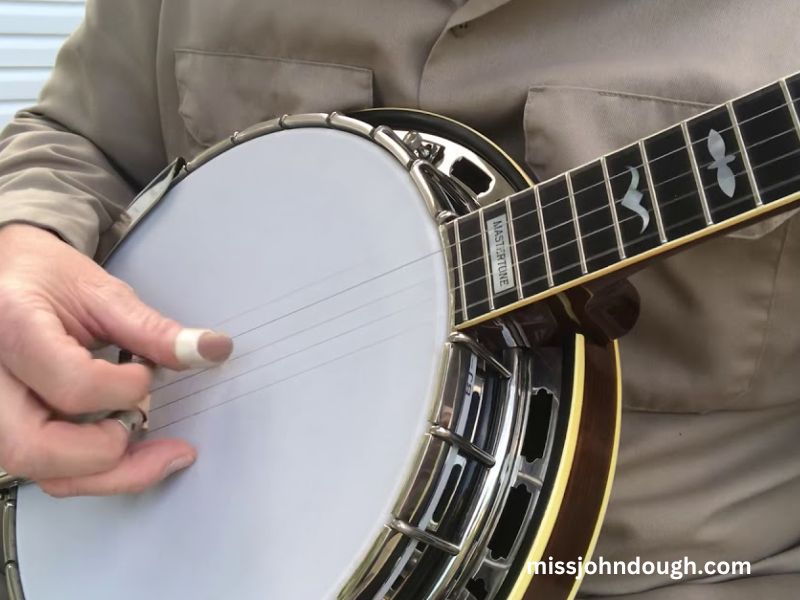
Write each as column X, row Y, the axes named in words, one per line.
column 202, row 347
column 178, row 465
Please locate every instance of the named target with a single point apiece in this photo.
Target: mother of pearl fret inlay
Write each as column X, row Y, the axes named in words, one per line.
column 633, row 199
column 725, row 177
column 719, row 169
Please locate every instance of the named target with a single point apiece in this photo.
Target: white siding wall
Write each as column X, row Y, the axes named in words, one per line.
column 31, row 32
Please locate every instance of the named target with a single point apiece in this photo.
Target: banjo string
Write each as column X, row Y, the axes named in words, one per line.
column 614, row 250
column 305, row 330
column 627, row 219
column 517, row 243
column 657, row 185
column 289, row 377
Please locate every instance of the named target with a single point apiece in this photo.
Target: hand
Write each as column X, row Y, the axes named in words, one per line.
column 55, row 303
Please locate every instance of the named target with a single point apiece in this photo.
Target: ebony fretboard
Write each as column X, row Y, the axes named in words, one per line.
column 732, row 164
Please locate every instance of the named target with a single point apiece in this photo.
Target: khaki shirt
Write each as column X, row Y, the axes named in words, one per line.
column 709, row 464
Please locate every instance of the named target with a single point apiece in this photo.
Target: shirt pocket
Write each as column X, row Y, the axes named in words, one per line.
column 705, row 311
column 220, row 93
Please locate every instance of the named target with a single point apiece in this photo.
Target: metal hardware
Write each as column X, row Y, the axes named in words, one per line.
column 787, row 96
column 545, row 246
column 146, row 201
column 574, row 208
column 424, row 537
column 395, row 551
column 422, row 148
column 13, row 582
column 9, row 545
column 745, row 157
column 418, row 174
column 255, row 131
column 345, row 123
column 8, row 481
column 132, row 421
column 612, row 207
column 662, row 235
column 304, row 120
column 696, row 172
column 9, row 521
column 461, row 338
column 445, row 216
column 388, row 139
column 467, row 447
column 461, row 288
column 486, row 269
column 539, row 369
column 513, row 240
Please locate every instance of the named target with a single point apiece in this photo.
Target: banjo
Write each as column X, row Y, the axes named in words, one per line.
column 424, row 398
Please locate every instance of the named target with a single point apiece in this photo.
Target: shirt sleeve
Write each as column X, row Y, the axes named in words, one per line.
column 73, row 162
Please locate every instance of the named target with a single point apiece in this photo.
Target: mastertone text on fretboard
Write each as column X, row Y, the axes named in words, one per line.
column 721, row 167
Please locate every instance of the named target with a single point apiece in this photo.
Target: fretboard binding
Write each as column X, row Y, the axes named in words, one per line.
column 662, row 234
column 486, row 266
column 737, row 131
column 792, row 108
column 612, row 207
column 574, row 207
column 513, row 238
column 545, row 246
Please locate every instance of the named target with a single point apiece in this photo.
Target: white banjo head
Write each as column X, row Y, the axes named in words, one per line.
column 314, row 250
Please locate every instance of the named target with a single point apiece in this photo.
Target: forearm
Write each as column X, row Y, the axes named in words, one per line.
column 73, row 162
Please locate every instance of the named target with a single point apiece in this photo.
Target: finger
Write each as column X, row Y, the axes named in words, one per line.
column 143, row 466
column 64, row 374
column 34, row 446
column 128, row 322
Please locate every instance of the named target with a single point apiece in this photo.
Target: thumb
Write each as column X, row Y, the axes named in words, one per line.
column 126, row 321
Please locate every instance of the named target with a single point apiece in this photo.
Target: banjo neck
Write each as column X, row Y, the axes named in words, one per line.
column 728, row 167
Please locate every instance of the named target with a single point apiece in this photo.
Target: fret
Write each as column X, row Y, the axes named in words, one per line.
column 770, row 139
column 543, row 230
column 530, row 244
column 733, row 164
column 722, row 171
column 745, row 158
column 473, row 269
column 614, row 217
column 674, row 182
column 486, row 270
column 574, row 208
column 514, row 257
column 596, row 216
column 559, row 226
column 454, row 267
column 498, row 250
column 633, row 200
column 648, row 177
column 792, row 107
column 696, row 172
column 793, row 86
